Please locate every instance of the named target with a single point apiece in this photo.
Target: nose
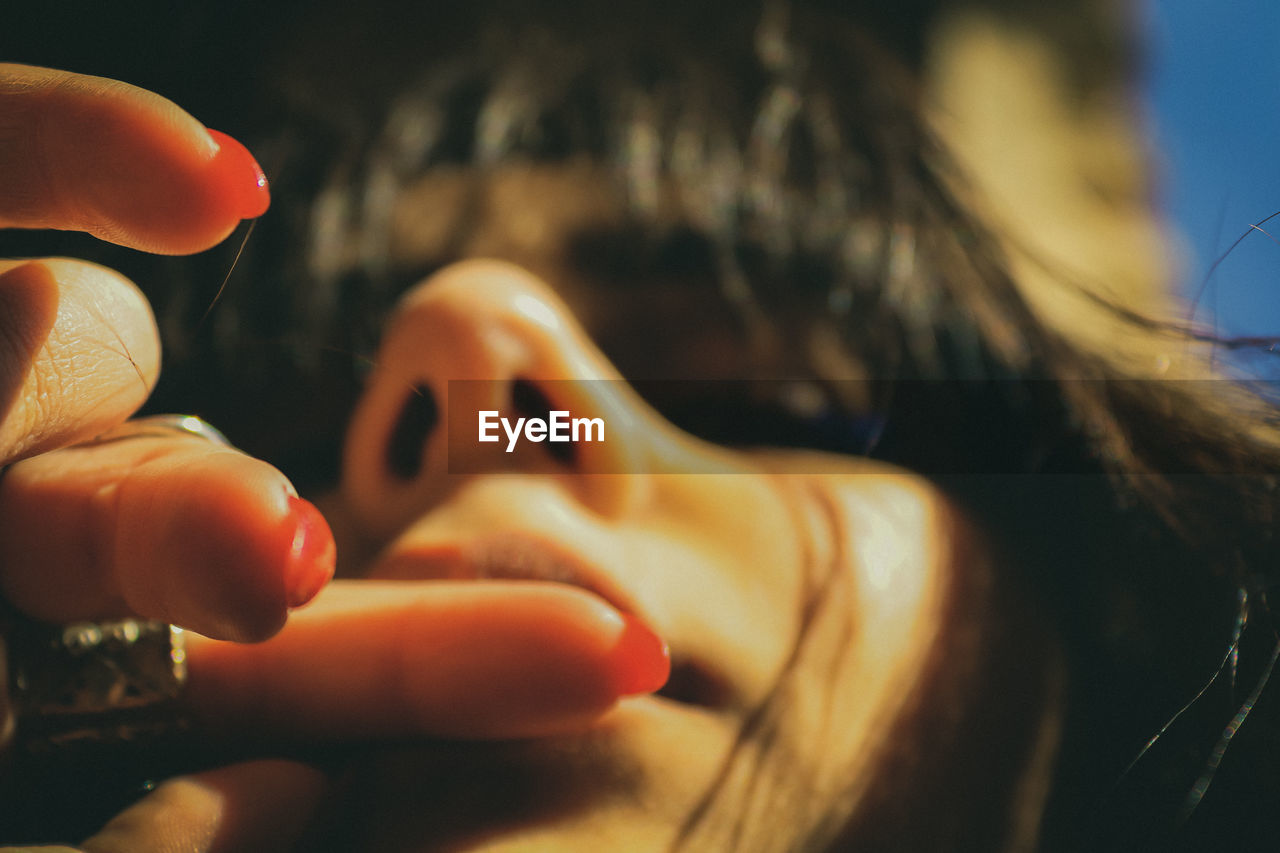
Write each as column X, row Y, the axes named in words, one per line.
column 488, row 343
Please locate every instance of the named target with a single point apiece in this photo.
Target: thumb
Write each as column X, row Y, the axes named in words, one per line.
column 79, row 352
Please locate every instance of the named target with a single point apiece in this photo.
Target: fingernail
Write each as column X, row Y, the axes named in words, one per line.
column 313, row 555
column 641, row 659
column 240, row 176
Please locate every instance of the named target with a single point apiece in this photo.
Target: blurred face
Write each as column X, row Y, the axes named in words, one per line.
column 801, row 595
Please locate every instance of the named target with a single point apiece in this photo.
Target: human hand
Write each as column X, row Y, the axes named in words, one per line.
column 170, row 528
column 173, row 528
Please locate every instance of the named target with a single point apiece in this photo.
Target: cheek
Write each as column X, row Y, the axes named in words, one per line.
column 876, row 622
column 724, row 561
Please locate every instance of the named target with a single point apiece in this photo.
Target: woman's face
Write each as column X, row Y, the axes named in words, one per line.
column 800, row 595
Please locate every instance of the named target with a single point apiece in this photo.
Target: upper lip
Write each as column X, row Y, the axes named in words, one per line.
column 510, row 555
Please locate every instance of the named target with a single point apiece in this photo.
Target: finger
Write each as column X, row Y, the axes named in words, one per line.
column 91, row 154
column 176, row 529
column 79, row 352
column 259, row 805
column 373, row 659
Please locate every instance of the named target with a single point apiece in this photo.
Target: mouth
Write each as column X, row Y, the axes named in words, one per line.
column 519, row 556
column 510, row 555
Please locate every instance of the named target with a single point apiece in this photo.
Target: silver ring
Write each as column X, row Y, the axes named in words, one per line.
column 162, row 426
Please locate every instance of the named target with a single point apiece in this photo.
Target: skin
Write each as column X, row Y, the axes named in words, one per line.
column 766, row 579
column 816, row 595
column 82, row 535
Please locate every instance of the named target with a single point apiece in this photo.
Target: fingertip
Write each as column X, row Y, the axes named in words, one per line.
column 171, row 528
column 239, row 177
column 122, row 163
column 313, row 555
column 210, row 540
column 641, row 658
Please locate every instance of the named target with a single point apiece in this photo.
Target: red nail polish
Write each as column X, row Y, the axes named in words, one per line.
column 641, row 657
column 240, row 176
column 313, row 555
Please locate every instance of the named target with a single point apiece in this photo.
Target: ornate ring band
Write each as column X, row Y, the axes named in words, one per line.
column 93, row 683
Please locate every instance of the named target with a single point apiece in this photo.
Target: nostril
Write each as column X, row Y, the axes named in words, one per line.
column 529, row 401
column 408, row 442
